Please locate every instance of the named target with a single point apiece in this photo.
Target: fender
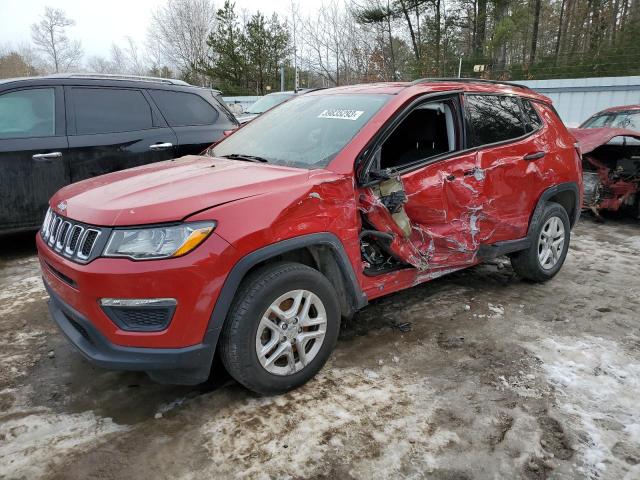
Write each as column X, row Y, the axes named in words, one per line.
column 488, row 252
column 240, row 269
column 551, row 192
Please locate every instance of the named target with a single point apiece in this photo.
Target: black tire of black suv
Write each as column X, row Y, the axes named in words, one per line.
column 526, row 263
column 255, row 295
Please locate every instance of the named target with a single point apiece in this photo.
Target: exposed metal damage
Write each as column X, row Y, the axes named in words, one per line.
column 611, row 164
column 433, row 226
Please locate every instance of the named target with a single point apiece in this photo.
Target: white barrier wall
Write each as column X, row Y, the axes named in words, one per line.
column 577, row 99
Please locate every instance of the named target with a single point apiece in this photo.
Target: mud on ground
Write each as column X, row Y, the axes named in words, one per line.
column 496, row 378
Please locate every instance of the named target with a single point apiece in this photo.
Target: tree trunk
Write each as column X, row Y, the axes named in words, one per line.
column 481, row 28
column 412, row 34
column 391, row 52
column 560, row 27
column 438, row 35
column 534, row 34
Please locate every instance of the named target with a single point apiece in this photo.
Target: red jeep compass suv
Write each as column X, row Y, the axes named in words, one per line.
column 258, row 249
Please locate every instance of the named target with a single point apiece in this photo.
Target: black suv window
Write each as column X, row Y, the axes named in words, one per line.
column 493, row 118
column 110, row 110
column 181, row 109
column 28, row 113
column 533, row 120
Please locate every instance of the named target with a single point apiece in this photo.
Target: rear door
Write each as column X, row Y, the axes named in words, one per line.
column 196, row 121
column 114, row 128
column 33, row 153
column 509, row 154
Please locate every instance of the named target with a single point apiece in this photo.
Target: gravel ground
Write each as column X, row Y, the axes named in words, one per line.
column 496, row 378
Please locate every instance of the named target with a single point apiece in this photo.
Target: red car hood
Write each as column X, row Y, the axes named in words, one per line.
column 591, row 138
column 168, row 191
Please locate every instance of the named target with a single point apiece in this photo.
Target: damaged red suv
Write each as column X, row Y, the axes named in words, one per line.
column 256, row 251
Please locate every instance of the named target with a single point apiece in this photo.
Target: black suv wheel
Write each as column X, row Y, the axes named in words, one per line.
column 281, row 328
column 548, row 250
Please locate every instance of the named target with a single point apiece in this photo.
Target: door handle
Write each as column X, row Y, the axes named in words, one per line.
column 43, row 157
column 530, row 157
column 160, row 146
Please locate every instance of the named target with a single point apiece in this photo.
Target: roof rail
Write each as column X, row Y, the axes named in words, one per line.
column 110, row 76
column 470, row 80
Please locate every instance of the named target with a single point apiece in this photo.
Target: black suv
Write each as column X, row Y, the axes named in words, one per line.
column 60, row 129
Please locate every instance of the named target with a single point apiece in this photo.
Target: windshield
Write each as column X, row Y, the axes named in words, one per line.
column 629, row 120
column 306, row 132
column 268, row 101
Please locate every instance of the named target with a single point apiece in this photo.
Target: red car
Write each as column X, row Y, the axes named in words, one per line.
column 256, row 251
column 610, row 144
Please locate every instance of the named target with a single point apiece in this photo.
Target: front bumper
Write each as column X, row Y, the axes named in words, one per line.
column 180, row 366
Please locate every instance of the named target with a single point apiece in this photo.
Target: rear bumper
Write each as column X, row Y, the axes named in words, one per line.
column 181, row 366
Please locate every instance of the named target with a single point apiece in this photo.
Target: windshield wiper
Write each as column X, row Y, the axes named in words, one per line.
column 247, row 158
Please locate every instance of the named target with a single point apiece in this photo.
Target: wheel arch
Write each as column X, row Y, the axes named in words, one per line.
column 321, row 251
column 566, row 194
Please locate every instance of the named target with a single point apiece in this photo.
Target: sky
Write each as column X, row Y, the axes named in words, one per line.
column 101, row 23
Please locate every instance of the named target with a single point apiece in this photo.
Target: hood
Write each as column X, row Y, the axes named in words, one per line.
column 169, row 191
column 591, row 138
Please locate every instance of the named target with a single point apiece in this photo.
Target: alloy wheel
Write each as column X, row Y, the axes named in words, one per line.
column 291, row 332
column 551, row 243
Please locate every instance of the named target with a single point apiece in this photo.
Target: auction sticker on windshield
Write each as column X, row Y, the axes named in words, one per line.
column 341, row 114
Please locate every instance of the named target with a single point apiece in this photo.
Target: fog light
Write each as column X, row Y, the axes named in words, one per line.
column 140, row 314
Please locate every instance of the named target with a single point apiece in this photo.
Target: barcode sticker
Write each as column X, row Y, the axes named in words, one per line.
column 341, row 114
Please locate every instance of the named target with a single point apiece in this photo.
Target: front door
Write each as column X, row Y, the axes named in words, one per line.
column 114, row 128
column 33, row 154
column 427, row 209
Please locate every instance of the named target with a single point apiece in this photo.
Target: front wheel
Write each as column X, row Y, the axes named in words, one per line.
column 548, row 250
column 281, row 328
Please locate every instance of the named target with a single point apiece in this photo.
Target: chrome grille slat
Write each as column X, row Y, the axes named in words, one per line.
column 65, row 227
column 87, row 243
column 75, row 241
column 54, row 231
column 74, row 237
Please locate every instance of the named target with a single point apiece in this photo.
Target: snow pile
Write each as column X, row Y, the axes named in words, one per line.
column 33, row 440
column 598, row 387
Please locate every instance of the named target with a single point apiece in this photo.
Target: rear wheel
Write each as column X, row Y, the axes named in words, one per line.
column 281, row 328
column 548, row 250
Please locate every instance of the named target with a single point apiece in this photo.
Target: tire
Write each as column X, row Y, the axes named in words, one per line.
column 528, row 263
column 253, row 310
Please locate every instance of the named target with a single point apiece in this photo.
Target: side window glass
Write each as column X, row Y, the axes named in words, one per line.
column 28, row 113
column 533, row 120
column 428, row 131
column 110, row 110
column 493, row 118
column 597, row 122
column 182, row 109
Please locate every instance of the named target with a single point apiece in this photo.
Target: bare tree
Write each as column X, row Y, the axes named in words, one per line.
column 98, row 64
column 126, row 60
column 178, row 34
column 49, row 36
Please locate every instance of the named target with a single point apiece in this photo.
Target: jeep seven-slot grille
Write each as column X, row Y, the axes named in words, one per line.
column 68, row 238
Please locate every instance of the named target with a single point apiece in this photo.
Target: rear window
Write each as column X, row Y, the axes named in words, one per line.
column 267, row 102
column 110, row 110
column 493, row 118
column 182, row 109
column 533, row 120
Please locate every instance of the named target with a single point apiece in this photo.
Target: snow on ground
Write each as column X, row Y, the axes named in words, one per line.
column 598, row 389
column 27, row 433
column 496, row 378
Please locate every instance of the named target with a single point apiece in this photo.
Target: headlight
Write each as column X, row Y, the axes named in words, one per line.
column 157, row 242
